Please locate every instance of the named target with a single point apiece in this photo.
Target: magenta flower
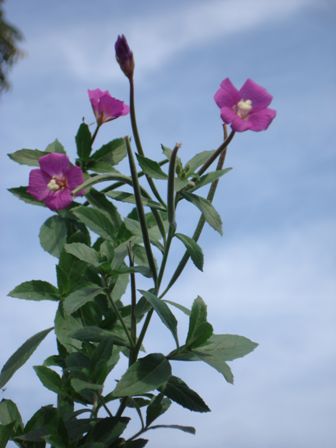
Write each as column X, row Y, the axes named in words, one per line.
column 105, row 107
column 245, row 108
column 124, row 56
column 54, row 181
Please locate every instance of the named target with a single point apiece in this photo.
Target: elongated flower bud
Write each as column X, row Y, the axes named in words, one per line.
column 124, row 56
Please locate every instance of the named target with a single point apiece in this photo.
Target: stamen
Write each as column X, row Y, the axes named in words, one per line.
column 53, row 185
column 243, row 108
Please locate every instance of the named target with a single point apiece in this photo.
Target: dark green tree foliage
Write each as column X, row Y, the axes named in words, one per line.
column 10, row 37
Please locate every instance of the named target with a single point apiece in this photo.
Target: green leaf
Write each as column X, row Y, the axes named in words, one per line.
column 21, row 355
column 199, row 329
column 151, row 168
column 198, row 160
column 221, row 348
column 188, row 429
column 103, row 359
column 110, row 154
column 108, row 430
column 50, row 379
column 53, row 235
column 80, row 385
column 209, row 212
column 180, row 183
column 21, row 193
column 144, row 375
column 83, row 253
column 80, row 297
column 179, row 307
column 137, row 443
column 215, row 360
column 6, row 432
column 99, row 201
column 70, row 273
column 9, row 414
column 28, row 157
column 83, row 142
column 193, row 250
column 230, row 346
column 35, row 290
column 163, row 311
column 96, row 221
column 178, row 391
column 124, row 196
column 55, row 146
column 157, row 407
column 209, row 178
column 65, row 326
column 96, row 334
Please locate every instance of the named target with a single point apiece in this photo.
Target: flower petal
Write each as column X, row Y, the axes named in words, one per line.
column 258, row 95
column 111, row 108
column 74, row 177
column 57, row 200
column 54, row 164
column 227, row 114
column 227, row 95
column 259, row 121
column 239, row 124
column 38, row 184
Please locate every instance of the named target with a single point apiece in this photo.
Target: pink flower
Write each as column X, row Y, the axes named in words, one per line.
column 54, row 181
column 105, row 107
column 245, row 108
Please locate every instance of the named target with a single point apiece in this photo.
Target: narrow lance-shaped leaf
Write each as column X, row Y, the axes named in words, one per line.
column 83, row 252
column 209, row 212
column 49, row 378
column 96, row 220
column 178, row 391
column 199, row 329
column 193, row 249
column 83, row 142
column 53, row 235
column 150, row 167
column 28, row 157
column 144, row 375
column 35, row 290
column 21, row 355
column 170, row 188
column 197, row 160
column 80, row 297
column 163, row 311
column 159, row 405
column 21, row 193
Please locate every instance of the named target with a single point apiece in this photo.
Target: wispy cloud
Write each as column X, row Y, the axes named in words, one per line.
column 86, row 50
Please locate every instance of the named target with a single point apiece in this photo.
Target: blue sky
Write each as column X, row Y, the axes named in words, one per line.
column 272, row 276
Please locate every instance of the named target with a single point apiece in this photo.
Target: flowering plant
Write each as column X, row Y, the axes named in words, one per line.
column 103, row 313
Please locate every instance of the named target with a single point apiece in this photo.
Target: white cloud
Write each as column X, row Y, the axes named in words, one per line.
column 86, row 49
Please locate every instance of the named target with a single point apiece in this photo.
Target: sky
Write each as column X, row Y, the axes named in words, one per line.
column 271, row 277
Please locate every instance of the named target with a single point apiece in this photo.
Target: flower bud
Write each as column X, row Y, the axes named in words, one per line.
column 124, row 56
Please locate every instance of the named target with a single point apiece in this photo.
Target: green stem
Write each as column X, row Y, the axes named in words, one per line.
column 138, row 141
column 141, row 213
column 214, row 156
column 201, row 221
column 132, row 357
column 94, row 135
column 119, row 316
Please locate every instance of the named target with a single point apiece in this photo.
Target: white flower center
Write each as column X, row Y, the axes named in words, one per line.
column 53, row 185
column 57, row 183
column 243, row 108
